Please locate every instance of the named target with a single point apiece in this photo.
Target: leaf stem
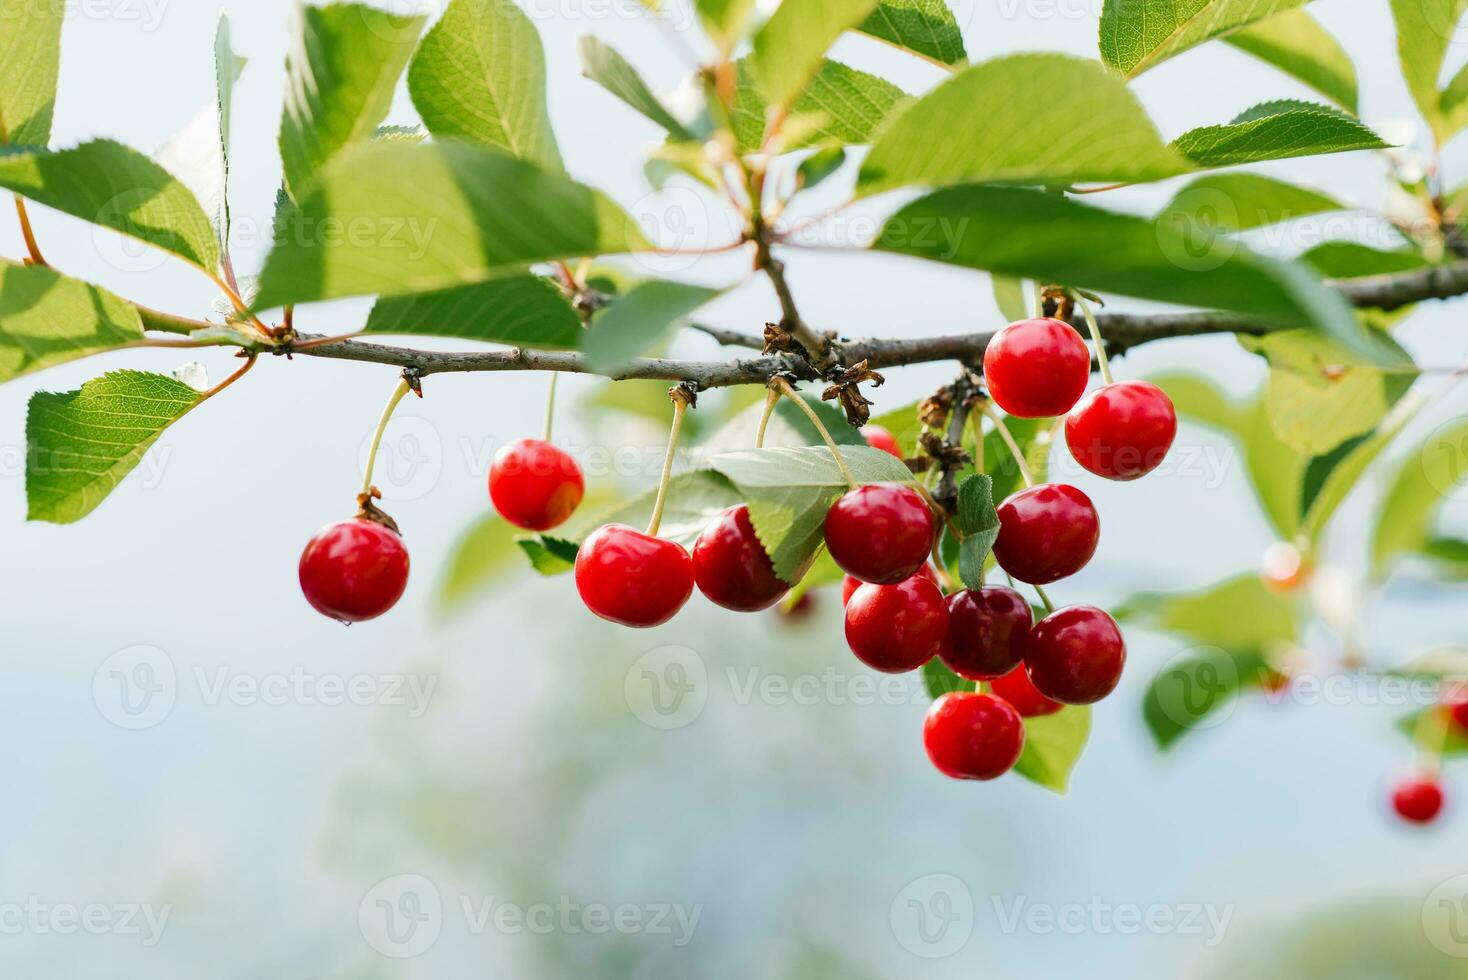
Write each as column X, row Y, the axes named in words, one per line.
column 1019, row 457
column 680, row 405
column 28, row 233
column 772, row 397
column 550, row 405
column 243, row 370
column 815, row 420
column 1100, row 344
column 399, row 393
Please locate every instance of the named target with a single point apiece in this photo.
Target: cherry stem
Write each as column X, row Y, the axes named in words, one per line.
column 680, row 405
column 815, row 420
column 1039, row 299
column 1100, row 344
column 399, row 393
column 1431, row 735
column 772, row 398
column 550, row 405
column 1045, row 599
column 29, row 233
column 1019, row 457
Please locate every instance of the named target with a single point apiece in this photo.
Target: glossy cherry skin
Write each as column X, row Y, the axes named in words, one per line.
column 897, row 628
column 632, row 578
column 1418, row 799
column 880, row 533
column 987, row 632
column 1122, row 431
column 973, row 736
column 535, row 485
column 355, row 570
column 1017, row 688
column 1037, row 368
column 1046, row 533
column 879, row 438
column 1076, row 655
column 731, row 566
column 849, row 585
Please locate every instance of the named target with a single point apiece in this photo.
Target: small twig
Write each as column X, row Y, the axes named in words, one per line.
column 29, row 234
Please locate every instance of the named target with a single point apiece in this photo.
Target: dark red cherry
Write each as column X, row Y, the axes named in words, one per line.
column 987, row 630
column 897, row 628
column 1037, row 368
column 1458, row 711
column 731, row 566
column 973, row 736
column 1046, row 533
column 881, row 533
column 355, row 570
column 1122, row 431
column 849, row 585
column 879, row 438
column 1017, row 688
column 535, row 485
column 1418, row 799
column 1076, row 655
column 632, row 578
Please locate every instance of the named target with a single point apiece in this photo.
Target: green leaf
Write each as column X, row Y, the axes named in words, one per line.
column 1139, row 34
column 341, row 68
column 1448, row 558
column 472, row 213
column 840, row 105
column 1276, row 471
column 1296, row 44
column 479, row 76
column 640, row 321
column 1350, row 260
column 199, row 155
column 1343, row 469
column 116, row 187
column 481, row 556
column 604, row 65
column 1240, row 615
column 1009, row 296
column 725, row 20
column 979, row 522
column 924, row 27
column 1277, row 130
column 47, row 318
column 790, row 490
column 1425, row 29
column 1454, row 105
column 993, row 123
column 1031, row 234
column 791, row 46
column 80, row 444
column 1432, row 729
column 549, row 555
column 694, row 500
column 1241, row 202
column 528, row 310
column 819, row 165
column 1428, row 476
column 1053, row 745
column 30, row 57
column 939, row 680
column 1319, row 393
column 1188, row 693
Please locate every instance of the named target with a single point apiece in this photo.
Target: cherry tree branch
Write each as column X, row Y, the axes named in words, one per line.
column 1122, row 331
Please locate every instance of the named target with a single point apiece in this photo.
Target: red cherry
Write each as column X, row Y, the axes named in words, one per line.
column 535, row 485
column 1037, row 368
column 881, row 533
column 632, row 578
column 897, row 628
column 1122, row 431
column 973, row 736
column 1046, row 533
column 1458, row 711
column 731, row 567
column 1017, row 688
column 849, row 585
column 1418, row 799
column 1076, row 655
column 987, row 630
column 879, row 438
column 355, row 570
